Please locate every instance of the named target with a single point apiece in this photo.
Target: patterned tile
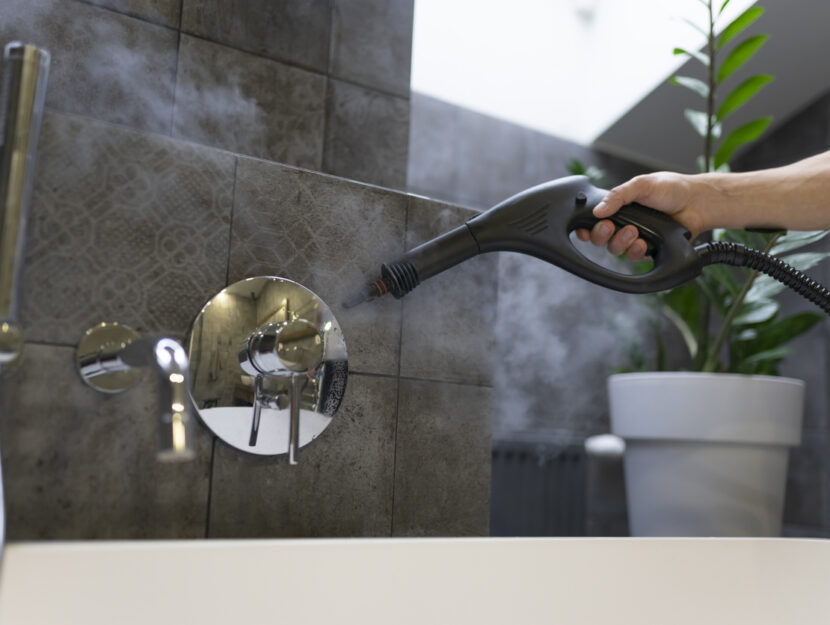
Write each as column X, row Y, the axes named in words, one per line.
column 442, row 460
column 289, row 30
column 342, row 485
column 328, row 234
column 162, row 11
column 367, row 135
column 448, row 330
column 104, row 65
column 124, row 227
column 372, row 43
column 250, row 105
column 79, row 464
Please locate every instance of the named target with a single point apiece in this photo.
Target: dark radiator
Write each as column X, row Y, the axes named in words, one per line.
column 538, row 488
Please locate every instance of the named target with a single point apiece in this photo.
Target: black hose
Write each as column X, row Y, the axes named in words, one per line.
column 741, row 256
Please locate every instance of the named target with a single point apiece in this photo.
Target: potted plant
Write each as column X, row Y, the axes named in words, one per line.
column 707, row 446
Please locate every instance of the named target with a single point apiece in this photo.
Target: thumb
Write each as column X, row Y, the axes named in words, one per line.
column 638, row 188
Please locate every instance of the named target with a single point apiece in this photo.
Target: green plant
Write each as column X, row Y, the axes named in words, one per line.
column 597, row 176
column 749, row 334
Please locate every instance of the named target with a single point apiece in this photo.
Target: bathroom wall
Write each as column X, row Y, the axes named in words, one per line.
column 565, row 336
column 558, row 337
column 156, row 187
column 143, row 229
column 807, row 506
column 320, row 84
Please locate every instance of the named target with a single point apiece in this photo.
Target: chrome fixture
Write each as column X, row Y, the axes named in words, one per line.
column 25, row 71
column 269, row 366
column 109, row 358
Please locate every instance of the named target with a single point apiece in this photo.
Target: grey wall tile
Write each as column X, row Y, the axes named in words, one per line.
column 289, row 30
column 329, row 235
column 104, row 65
column 125, row 227
column 162, row 11
column 465, row 157
column 805, row 134
column 81, row 464
column 342, row 485
column 372, row 43
column 248, row 104
column 448, row 330
column 367, row 135
column 442, row 461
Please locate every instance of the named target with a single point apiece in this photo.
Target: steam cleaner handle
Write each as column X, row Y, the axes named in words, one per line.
column 539, row 221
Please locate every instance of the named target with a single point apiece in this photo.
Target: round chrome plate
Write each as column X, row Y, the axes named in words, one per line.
column 223, row 393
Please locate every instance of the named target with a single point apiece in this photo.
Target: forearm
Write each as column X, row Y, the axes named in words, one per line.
column 794, row 197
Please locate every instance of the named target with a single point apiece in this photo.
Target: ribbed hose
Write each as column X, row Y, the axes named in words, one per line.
column 741, row 256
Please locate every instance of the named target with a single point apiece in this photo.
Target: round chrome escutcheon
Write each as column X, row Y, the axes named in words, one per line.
column 239, row 390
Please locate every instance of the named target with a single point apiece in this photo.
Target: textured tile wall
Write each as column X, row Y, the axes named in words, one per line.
column 476, row 160
column 287, row 81
column 556, row 337
column 144, row 229
column 249, row 104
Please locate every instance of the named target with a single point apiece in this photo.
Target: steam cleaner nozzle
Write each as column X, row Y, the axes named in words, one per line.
column 367, row 294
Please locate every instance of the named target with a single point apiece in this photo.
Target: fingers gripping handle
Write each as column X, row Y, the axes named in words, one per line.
column 652, row 226
column 538, row 222
column 667, row 242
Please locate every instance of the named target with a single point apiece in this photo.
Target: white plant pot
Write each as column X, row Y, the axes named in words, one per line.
column 706, row 454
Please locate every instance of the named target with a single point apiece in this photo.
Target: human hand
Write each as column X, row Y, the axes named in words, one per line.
column 675, row 194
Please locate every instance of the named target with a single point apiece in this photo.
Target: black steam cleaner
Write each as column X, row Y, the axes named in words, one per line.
column 539, row 221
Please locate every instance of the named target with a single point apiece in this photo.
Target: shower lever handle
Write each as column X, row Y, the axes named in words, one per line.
column 290, row 349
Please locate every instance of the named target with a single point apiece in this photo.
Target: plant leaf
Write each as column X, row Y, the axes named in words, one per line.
column 781, row 331
column 805, row 260
column 700, row 56
column 695, row 26
column 723, row 6
column 795, row 239
column 713, row 295
column 723, row 277
column 696, row 85
column 698, row 121
column 575, row 167
column 737, row 25
column 740, row 55
column 775, row 354
column 742, row 93
column 739, row 136
column 765, row 286
column 756, row 312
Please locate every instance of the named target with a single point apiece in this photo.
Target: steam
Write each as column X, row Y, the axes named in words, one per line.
column 559, row 339
column 124, row 70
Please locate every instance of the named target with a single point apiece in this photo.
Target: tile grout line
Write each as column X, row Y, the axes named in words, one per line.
column 283, row 61
column 176, row 77
column 327, row 88
column 210, row 487
column 398, row 389
column 412, row 378
column 230, row 225
column 135, row 16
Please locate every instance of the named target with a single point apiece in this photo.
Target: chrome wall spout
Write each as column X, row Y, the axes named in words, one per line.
column 25, row 71
column 110, row 358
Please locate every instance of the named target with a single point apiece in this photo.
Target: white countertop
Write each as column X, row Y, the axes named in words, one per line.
column 423, row 581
